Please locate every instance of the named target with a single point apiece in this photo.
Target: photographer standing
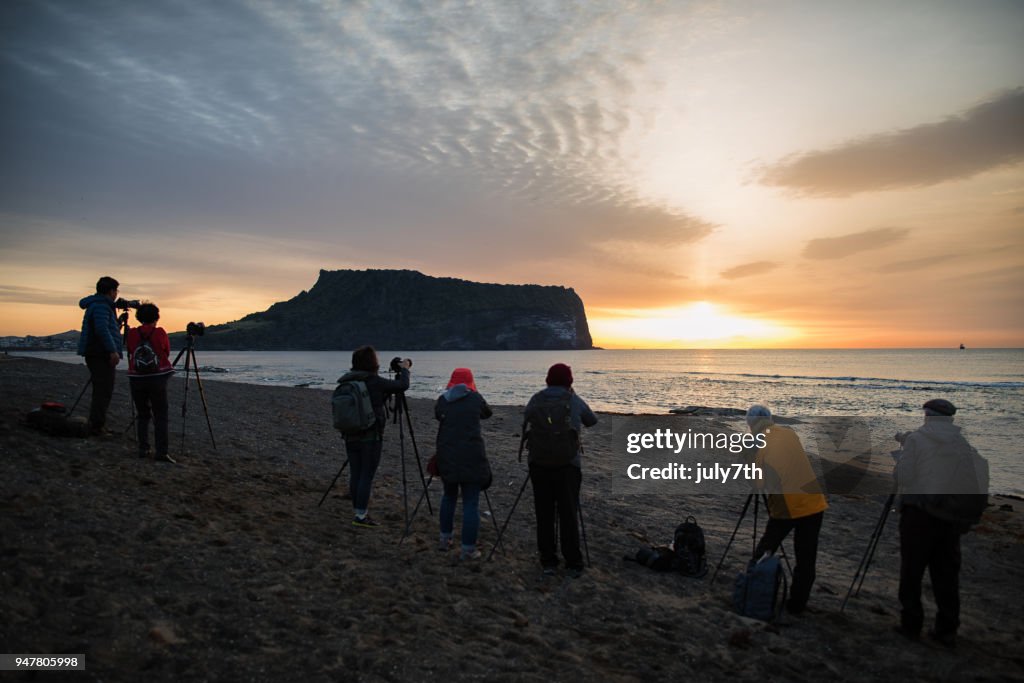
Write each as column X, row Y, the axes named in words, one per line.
column 795, row 501
column 100, row 343
column 555, row 416
column 149, row 368
column 364, row 447
column 943, row 486
column 462, row 458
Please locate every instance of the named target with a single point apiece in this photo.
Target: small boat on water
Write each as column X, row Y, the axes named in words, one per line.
column 963, row 348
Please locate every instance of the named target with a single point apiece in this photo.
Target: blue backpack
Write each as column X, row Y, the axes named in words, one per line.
column 760, row 592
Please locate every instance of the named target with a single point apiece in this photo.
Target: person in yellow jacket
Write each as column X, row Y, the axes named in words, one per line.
column 795, row 501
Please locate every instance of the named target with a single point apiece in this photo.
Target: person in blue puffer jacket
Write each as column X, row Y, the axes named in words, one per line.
column 100, row 343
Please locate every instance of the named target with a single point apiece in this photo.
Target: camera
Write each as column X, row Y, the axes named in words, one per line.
column 396, row 363
column 125, row 304
column 195, row 329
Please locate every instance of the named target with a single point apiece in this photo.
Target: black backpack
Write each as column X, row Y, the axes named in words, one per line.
column 550, row 437
column 691, row 554
column 146, row 360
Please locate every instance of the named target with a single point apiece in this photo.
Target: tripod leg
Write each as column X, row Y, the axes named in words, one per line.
column 202, row 397
column 869, row 552
column 333, row 482
column 728, row 545
column 583, row 531
column 412, row 517
column 401, row 449
column 507, row 519
column 184, row 400
column 88, row 382
column 416, row 452
column 491, row 508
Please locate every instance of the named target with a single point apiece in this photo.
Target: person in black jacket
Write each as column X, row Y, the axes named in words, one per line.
column 556, row 485
column 100, row 343
column 462, row 458
column 364, row 448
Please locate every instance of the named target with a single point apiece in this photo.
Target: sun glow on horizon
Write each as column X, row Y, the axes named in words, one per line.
column 700, row 324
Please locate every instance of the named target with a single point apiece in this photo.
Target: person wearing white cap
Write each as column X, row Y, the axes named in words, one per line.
column 943, row 486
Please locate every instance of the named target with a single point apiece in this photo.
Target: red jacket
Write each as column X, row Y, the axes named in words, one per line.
column 158, row 340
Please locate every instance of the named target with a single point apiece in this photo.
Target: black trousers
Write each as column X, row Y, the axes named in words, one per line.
column 150, row 397
column 102, row 374
column 805, row 547
column 556, row 493
column 930, row 543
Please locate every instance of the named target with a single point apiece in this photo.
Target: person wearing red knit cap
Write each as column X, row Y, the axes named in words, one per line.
column 462, row 458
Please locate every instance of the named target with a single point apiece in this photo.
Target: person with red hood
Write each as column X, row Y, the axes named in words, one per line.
column 553, row 420
column 149, row 368
column 462, row 458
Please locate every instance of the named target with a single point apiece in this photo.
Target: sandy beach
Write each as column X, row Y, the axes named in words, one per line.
column 223, row 567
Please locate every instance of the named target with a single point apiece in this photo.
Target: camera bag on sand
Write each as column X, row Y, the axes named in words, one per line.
column 690, row 551
column 760, row 592
column 351, row 407
column 660, row 558
column 52, row 418
column 551, row 439
column 144, row 357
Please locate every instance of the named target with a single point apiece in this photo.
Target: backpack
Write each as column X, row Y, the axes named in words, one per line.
column 551, row 439
column 690, row 552
column 146, row 360
column 351, row 407
column 660, row 558
column 963, row 509
column 760, row 592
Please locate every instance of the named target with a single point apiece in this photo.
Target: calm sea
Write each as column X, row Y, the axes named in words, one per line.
column 887, row 386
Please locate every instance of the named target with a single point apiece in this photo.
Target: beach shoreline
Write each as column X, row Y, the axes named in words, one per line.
column 224, row 567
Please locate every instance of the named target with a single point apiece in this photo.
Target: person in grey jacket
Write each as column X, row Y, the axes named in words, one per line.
column 462, row 458
column 556, row 484
column 100, row 343
column 936, row 468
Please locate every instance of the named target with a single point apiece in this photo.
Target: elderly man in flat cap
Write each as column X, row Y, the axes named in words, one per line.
column 943, row 487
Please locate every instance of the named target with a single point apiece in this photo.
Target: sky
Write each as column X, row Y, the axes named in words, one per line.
column 703, row 174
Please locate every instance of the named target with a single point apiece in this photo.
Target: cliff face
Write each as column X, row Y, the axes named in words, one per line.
column 404, row 309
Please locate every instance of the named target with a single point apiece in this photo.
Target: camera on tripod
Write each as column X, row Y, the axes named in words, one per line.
column 195, row 329
column 125, row 304
column 396, row 363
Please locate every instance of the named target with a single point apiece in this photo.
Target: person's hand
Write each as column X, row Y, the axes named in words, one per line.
column 407, row 364
column 115, row 358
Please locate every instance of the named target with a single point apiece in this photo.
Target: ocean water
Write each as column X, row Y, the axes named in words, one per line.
column 887, row 387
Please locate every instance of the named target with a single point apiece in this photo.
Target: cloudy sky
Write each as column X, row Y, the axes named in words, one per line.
column 786, row 173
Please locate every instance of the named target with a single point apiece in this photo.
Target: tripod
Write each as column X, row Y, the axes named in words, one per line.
column 401, row 406
column 752, row 497
column 191, row 365
column 869, row 552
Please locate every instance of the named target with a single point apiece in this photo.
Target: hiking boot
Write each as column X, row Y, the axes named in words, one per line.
column 946, row 640
column 365, row 522
column 548, row 571
column 166, row 457
column 470, row 554
column 444, row 544
column 144, row 452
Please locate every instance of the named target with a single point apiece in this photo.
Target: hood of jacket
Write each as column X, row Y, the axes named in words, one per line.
column 457, row 392
column 356, row 376
column 88, row 301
